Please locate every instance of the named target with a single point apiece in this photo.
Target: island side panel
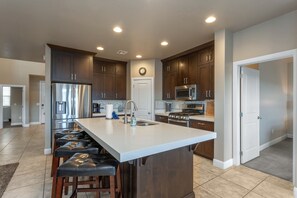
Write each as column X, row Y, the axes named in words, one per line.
column 167, row 175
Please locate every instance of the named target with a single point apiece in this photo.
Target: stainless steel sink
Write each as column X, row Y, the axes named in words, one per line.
column 145, row 123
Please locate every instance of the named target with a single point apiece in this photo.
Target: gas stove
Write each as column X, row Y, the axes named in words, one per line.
column 183, row 118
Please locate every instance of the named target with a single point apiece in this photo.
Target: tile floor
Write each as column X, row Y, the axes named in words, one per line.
column 32, row 177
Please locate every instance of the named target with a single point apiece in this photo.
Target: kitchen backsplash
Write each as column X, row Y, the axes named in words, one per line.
column 176, row 105
column 118, row 105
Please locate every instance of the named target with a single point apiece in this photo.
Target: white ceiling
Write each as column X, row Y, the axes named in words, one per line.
column 27, row 25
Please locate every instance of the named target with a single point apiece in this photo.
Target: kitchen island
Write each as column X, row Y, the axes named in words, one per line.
column 156, row 160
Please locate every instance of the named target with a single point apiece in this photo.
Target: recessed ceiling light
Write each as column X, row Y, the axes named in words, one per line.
column 210, row 19
column 100, row 48
column 138, row 56
column 117, row 29
column 164, row 43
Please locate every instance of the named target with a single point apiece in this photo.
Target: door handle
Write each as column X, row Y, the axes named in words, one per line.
column 149, row 113
column 259, row 118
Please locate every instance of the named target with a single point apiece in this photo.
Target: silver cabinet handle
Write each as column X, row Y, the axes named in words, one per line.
column 169, row 95
column 116, row 95
column 168, row 68
column 186, row 80
column 101, row 95
column 74, row 76
column 71, row 76
column 202, row 124
column 209, row 93
column 104, row 95
column 102, row 68
column 206, row 94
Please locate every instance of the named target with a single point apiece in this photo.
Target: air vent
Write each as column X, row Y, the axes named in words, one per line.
column 122, row 52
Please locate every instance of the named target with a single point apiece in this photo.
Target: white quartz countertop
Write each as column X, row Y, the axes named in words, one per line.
column 195, row 117
column 127, row 143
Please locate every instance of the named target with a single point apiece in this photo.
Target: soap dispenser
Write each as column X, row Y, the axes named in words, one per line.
column 133, row 120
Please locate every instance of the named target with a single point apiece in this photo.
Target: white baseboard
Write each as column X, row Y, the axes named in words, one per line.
column 16, row 123
column 47, row 151
column 290, row 135
column 223, row 165
column 295, row 192
column 272, row 142
column 26, row 125
column 34, row 123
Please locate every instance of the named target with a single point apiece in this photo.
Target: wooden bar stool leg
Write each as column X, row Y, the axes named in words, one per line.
column 74, row 187
column 119, row 185
column 66, row 187
column 112, row 186
column 55, row 165
column 97, row 186
column 58, row 188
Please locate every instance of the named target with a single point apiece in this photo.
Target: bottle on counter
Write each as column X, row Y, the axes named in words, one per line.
column 133, row 121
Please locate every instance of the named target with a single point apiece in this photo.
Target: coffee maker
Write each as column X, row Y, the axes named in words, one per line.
column 96, row 108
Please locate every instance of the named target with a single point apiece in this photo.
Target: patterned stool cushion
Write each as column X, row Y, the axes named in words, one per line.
column 71, row 148
column 61, row 134
column 82, row 164
column 72, row 138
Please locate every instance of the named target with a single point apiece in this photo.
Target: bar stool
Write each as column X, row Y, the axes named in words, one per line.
column 80, row 137
column 88, row 165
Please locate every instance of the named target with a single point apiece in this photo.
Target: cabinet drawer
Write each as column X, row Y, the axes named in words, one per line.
column 159, row 118
column 204, row 125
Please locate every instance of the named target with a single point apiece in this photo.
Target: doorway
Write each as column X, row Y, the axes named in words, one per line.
column 12, row 106
column 237, row 122
column 142, row 93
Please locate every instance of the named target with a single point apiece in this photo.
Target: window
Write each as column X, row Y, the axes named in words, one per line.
column 6, row 96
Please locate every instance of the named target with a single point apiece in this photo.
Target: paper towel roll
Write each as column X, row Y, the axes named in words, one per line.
column 109, row 110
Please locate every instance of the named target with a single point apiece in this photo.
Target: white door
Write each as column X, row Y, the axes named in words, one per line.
column 250, row 96
column 142, row 92
column 42, row 102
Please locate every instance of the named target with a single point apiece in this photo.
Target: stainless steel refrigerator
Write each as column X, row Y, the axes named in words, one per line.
column 69, row 101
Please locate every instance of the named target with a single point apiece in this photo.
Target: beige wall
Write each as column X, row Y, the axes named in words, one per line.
column 290, row 100
column 223, row 96
column 34, row 94
column 16, row 105
column 273, row 100
column 16, row 72
column 275, row 35
column 148, row 64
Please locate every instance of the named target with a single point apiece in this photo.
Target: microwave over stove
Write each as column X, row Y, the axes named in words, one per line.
column 186, row 92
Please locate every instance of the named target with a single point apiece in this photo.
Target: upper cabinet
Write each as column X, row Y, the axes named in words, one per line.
column 170, row 74
column 195, row 66
column 71, row 65
column 109, row 80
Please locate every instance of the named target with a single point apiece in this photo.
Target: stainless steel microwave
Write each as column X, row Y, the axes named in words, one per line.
column 186, row 92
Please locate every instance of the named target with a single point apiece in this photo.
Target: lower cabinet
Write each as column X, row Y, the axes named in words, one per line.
column 205, row 149
column 160, row 118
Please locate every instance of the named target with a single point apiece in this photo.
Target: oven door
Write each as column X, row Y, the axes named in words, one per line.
column 179, row 122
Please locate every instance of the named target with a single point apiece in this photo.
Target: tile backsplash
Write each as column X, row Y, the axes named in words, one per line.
column 176, row 104
column 118, row 105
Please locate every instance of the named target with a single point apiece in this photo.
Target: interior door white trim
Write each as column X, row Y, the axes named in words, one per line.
column 23, row 103
column 236, row 100
column 152, row 91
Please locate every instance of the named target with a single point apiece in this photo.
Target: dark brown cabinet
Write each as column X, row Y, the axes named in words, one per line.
column 206, row 55
column 160, row 118
column 195, row 66
column 205, row 149
column 109, row 80
column 206, row 81
column 169, row 79
column 121, row 81
column 71, row 65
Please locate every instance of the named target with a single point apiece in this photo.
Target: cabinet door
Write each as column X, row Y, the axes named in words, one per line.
column 109, row 68
column 61, row 66
column 121, row 69
column 205, row 56
column 183, row 71
column 204, row 73
column 193, row 69
column 120, row 87
column 211, row 93
column 109, row 86
column 98, row 86
column 205, row 149
column 83, row 68
column 169, row 83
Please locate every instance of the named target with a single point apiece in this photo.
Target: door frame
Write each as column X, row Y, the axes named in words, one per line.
column 23, row 102
column 152, row 91
column 40, row 82
column 236, row 99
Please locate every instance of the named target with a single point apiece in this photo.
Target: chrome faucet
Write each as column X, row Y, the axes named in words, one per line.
column 135, row 109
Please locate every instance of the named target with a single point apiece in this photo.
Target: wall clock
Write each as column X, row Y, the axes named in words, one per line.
column 142, row 71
